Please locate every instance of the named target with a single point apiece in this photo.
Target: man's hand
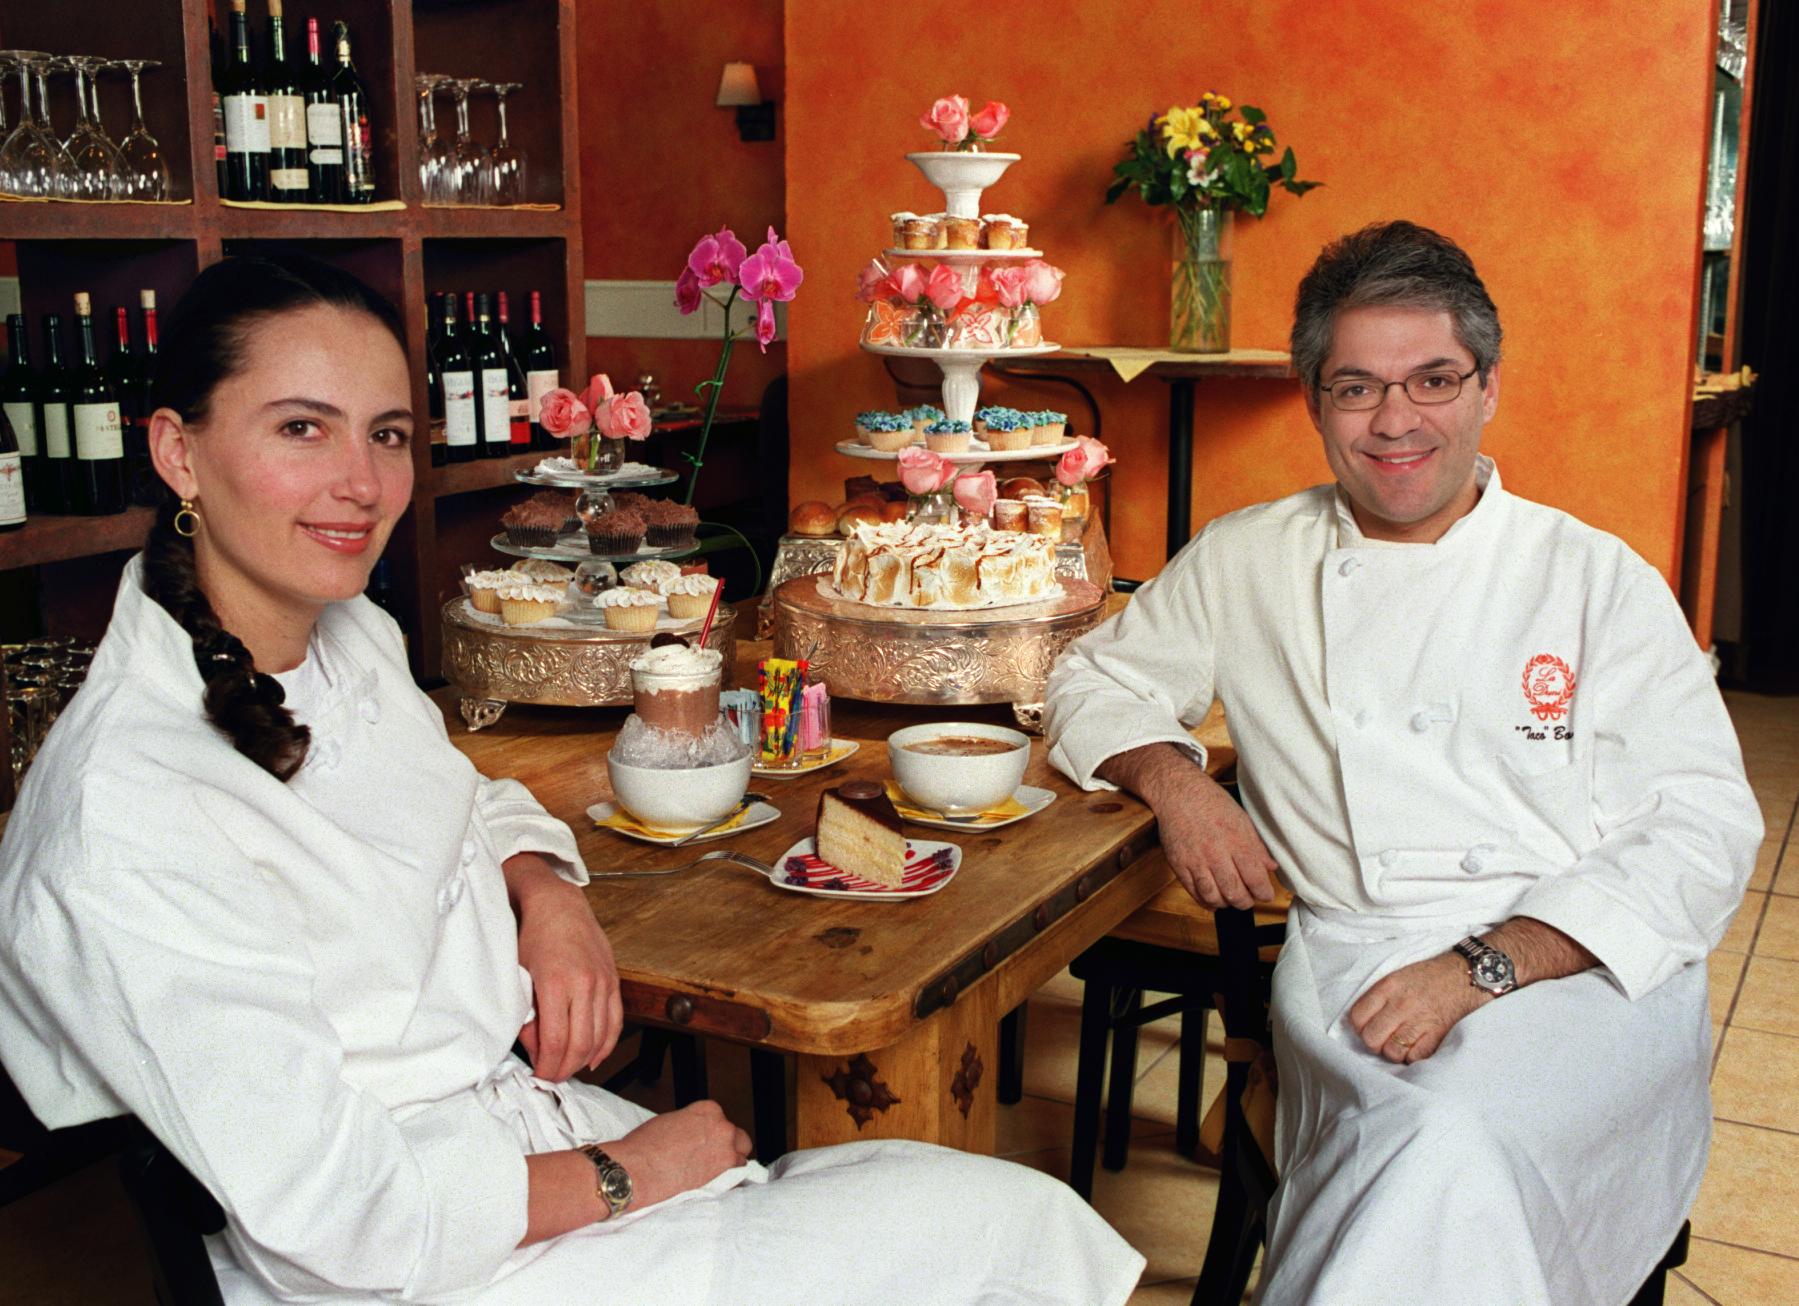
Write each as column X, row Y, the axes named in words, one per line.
column 1405, row 1015
column 683, row 1149
column 573, row 976
column 1211, row 845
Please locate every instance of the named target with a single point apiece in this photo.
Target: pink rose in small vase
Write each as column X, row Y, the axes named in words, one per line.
column 563, row 415
column 871, row 282
column 906, row 283
column 1009, row 284
column 976, row 491
column 625, row 417
column 599, row 390
column 924, row 472
column 1042, row 282
column 948, row 118
column 944, row 287
column 986, row 124
column 1083, row 462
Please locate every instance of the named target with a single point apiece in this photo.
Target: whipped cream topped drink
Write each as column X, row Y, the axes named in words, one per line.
column 676, row 688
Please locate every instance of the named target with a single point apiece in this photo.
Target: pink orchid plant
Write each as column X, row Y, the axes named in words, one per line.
column 769, row 276
column 958, row 129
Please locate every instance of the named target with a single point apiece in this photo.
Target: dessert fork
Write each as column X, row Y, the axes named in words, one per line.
column 717, row 854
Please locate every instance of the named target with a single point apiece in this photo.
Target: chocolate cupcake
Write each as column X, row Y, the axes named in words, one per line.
column 612, row 533
column 534, row 523
column 629, row 499
column 669, row 525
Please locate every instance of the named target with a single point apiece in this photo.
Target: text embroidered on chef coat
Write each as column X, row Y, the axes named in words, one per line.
column 1548, row 688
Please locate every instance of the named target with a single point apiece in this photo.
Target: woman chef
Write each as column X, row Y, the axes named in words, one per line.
column 254, row 896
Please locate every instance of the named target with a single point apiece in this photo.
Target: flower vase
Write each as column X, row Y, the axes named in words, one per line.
column 937, row 508
column 1199, row 308
column 1076, row 505
column 605, row 457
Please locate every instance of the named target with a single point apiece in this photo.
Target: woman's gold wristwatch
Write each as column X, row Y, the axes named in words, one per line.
column 611, row 1181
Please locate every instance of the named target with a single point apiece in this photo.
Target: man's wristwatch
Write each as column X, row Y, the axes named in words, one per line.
column 611, row 1180
column 1488, row 967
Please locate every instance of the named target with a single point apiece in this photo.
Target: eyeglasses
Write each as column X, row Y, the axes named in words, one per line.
column 1358, row 394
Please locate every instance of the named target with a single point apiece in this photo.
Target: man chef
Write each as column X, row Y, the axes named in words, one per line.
column 1479, row 744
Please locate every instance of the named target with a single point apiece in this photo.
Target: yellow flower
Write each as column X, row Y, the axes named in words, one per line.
column 1241, row 131
column 1183, row 129
column 1206, row 128
column 1222, row 103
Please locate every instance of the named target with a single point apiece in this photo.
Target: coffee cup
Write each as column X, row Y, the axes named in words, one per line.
column 959, row 768
column 679, row 801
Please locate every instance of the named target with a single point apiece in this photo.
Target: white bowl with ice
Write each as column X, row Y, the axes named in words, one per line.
column 678, row 783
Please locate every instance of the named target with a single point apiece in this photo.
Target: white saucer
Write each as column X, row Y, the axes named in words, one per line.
column 1034, row 799
column 755, row 816
column 840, row 749
column 798, row 870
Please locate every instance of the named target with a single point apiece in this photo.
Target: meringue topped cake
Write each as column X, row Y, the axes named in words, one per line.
column 912, row 565
column 859, row 833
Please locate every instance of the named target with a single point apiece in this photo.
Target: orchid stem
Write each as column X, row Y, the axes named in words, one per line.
column 714, row 388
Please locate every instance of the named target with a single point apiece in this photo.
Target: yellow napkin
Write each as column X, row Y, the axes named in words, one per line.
column 1130, row 361
column 379, row 206
column 1006, row 811
column 625, row 823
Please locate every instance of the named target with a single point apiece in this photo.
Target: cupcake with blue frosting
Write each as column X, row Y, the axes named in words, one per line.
column 1007, row 430
column 947, row 435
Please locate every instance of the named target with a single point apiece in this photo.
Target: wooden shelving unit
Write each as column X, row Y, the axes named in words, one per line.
column 114, row 250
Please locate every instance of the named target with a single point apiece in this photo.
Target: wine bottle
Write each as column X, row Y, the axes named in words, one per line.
column 352, row 99
column 518, row 404
column 541, row 376
column 98, row 480
column 455, row 374
column 434, row 397
column 494, row 384
column 324, row 131
column 289, row 180
column 147, row 490
column 217, row 46
column 121, row 372
column 246, row 117
column 54, row 387
column 12, row 478
column 19, row 401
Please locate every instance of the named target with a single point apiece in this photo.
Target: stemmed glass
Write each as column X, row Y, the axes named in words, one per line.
column 70, row 184
column 96, row 158
column 508, row 162
column 142, row 166
column 469, row 176
column 30, row 160
column 436, row 159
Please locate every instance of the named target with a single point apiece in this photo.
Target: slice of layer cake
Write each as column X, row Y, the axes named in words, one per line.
column 859, row 833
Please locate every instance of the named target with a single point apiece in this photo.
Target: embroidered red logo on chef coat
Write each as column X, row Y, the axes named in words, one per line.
column 1548, row 687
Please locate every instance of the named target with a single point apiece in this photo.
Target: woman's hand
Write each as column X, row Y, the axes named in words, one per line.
column 573, row 976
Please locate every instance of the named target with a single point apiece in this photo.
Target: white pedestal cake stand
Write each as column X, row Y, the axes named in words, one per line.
column 961, row 370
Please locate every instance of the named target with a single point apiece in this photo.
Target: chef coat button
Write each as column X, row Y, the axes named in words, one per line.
column 1476, row 860
column 1387, row 859
column 449, row 895
column 371, row 710
column 1361, row 718
column 468, row 851
column 1348, row 565
column 1421, row 721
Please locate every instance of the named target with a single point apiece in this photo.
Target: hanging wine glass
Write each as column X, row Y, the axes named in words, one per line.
column 96, row 157
column 142, row 165
column 30, row 160
column 469, row 167
column 70, row 185
column 436, row 158
column 508, row 161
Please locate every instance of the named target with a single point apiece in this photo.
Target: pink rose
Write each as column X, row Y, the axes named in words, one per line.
column 948, row 118
column 924, row 472
column 944, row 287
column 1010, row 283
column 598, row 391
column 871, row 281
column 563, row 415
column 1042, row 282
column 906, row 283
column 1082, row 462
column 986, row 124
column 625, row 417
column 976, row 491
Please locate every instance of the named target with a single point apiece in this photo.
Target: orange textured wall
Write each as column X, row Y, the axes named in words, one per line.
column 661, row 165
column 1562, row 147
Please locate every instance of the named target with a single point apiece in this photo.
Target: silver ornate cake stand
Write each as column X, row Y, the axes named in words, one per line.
column 555, row 665
column 909, row 655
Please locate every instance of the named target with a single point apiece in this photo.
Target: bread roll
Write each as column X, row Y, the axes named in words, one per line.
column 895, row 511
column 1018, row 487
column 812, row 518
column 854, row 513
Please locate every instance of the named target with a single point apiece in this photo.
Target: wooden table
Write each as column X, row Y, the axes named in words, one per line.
column 891, row 1009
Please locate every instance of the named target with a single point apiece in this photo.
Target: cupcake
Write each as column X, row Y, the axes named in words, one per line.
column 983, row 413
column 554, row 501
column 1044, row 517
column 1052, row 426
column 1006, row 430
column 629, row 499
column 948, row 436
column 629, row 609
column 669, row 525
column 484, row 589
column 867, row 422
column 899, row 221
column 534, row 523
column 527, row 602
column 689, row 596
column 1041, row 427
column 615, row 532
column 918, row 233
column 890, row 432
column 923, row 415
column 551, row 573
column 1010, row 515
column 651, row 575
column 962, row 233
column 997, row 231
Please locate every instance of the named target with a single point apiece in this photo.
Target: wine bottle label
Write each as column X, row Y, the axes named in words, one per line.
column 12, row 490
column 246, row 124
column 23, row 419
column 496, row 405
column 287, row 122
column 56, row 429
column 286, row 179
column 98, row 432
column 325, row 133
column 459, row 407
column 519, row 413
column 537, row 385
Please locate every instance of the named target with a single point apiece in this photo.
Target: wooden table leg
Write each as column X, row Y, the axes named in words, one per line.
column 936, row 1084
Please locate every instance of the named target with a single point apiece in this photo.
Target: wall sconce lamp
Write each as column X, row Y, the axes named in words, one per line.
column 737, row 89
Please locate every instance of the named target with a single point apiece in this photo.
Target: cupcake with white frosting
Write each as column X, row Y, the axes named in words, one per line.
column 689, row 596
column 629, row 609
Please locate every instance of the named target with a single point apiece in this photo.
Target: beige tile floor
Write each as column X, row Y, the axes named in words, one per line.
column 78, row 1243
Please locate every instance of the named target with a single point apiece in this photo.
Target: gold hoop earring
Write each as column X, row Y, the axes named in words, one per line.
column 187, row 521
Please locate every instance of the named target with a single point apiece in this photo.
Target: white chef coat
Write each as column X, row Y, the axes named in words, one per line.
column 1434, row 738
column 309, row 992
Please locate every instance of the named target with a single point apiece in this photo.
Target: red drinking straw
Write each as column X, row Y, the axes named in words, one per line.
column 711, row 612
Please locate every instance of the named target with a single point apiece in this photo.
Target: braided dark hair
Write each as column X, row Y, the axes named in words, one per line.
column 203, row 344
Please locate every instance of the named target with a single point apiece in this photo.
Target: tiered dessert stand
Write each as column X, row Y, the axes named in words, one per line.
column 895, row 655
column 574, row 660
